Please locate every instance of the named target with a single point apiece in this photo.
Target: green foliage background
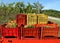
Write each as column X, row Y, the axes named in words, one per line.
column 10, row 11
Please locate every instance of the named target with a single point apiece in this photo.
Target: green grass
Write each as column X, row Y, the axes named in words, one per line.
column 55, row 21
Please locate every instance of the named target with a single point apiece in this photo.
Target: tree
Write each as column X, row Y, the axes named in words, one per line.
column 29, row 8
column 3, row 9
column 20, row 6
column 38, row 7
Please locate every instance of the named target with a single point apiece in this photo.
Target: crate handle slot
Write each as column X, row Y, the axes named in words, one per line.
column 48, row 36
column 10, row 37
column 58, row 37
column 29, row 37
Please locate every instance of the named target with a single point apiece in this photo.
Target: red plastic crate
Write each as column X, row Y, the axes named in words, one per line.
column 31, row 33
column 21, row 19
column 50, row 32
column 10, row 32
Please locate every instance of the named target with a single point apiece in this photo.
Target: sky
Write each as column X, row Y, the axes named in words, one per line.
column 48, row 4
